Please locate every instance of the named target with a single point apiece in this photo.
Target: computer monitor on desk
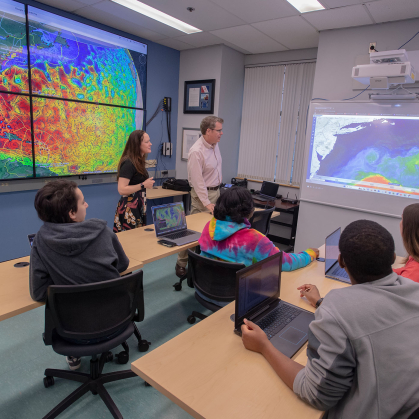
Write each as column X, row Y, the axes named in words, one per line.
column 268, row 191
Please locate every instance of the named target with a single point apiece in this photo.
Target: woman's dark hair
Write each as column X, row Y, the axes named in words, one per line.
column 410, row 230
column 55, row 200
column 367, row 249
column 236, row 203
column 132, row 152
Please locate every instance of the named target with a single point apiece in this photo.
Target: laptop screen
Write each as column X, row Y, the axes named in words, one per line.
column 168, row 218
column 256, row 286
column 332, row 249
column 269, row 189
column 30, row 238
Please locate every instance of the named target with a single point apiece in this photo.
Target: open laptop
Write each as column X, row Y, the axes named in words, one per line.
column 30, row 238
column 257, row 299
column 170, row 224
column 331, row 267
column 268, row 191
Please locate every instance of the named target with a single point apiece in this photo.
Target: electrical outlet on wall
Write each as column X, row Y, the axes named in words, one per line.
column 150, row 163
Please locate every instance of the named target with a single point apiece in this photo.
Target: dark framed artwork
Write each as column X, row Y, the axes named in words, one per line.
column 199, row 96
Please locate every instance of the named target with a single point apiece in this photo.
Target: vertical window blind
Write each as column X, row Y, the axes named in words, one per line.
column 275, row 103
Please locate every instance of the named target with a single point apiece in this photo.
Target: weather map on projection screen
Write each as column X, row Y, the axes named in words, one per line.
column 85, row 94
column 371, row 153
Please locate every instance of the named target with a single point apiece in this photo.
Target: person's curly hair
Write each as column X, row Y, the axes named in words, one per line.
column 236, row 203
column 367, row 249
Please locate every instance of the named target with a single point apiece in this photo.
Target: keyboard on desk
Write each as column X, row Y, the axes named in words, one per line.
column 277, row 319
column 179, row 234
column 339, row 272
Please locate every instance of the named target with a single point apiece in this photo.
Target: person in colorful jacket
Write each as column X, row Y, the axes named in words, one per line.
column 230, row 238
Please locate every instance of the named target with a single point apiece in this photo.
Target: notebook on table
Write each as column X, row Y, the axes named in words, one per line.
column 258, row 299
column 268, row 191
column 331, row 267
column 170, row 224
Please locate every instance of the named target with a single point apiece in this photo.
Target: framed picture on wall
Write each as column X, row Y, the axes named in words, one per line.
column 199, row 96
column 189, row 137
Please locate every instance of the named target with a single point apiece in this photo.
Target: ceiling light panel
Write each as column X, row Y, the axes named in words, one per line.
column 155, row 14
column 304, row 6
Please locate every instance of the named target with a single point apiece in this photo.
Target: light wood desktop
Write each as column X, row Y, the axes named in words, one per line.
column 208, row 372
column 159, row 192
column 14, row 287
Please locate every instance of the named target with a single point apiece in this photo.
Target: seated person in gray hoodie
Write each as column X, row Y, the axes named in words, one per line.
column 362, row 361
column 68, row 249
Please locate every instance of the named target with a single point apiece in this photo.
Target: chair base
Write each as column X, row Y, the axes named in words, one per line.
column 93, row 382
column 192, row 318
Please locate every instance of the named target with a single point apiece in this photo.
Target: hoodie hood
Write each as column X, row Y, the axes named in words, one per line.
column 221, row 230
column 70, row 238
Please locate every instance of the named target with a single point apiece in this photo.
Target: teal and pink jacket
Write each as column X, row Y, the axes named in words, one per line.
column 233, row 242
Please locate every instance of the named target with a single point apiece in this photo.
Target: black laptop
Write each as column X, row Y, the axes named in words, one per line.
column 257, row 299
column 268, row 191
column 331, row 267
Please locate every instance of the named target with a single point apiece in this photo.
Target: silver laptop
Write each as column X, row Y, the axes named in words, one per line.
column 170, row 224
column 257, row 299
column 268, row 191
column 331, row 267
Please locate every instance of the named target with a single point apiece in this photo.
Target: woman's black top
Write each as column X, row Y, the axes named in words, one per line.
column 128, row 171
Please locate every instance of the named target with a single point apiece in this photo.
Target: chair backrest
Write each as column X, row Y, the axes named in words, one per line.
column 260, row 220
column 95, row 310
column 213, row 278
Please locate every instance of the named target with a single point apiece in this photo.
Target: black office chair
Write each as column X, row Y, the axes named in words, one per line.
column 91, row 313
column 260, row 220
column 214, row 279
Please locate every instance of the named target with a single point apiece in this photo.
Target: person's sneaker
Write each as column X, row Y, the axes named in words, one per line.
column 73, row 362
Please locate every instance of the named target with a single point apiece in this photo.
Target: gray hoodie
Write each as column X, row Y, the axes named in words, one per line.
column 74, row 253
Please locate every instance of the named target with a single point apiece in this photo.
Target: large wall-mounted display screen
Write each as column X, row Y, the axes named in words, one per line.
column 363, row 155
column 85, row 94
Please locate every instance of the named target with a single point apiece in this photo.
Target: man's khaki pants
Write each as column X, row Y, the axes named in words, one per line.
column 196, row 207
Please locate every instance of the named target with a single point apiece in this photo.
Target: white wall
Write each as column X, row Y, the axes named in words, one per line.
column 226, row 66
column 336, row 56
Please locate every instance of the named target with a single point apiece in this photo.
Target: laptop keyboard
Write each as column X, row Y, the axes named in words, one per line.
column 277, row 319
column 340, row 272
column 179, row 234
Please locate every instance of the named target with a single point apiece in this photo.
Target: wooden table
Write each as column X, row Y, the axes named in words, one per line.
column 208, row 372
column 159, row 192
column 14, row 287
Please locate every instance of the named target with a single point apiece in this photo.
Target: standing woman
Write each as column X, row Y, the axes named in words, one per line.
column 132, row 181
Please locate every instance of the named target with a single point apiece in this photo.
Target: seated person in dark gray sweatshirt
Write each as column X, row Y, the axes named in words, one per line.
column 362, row 362
column 68, row 249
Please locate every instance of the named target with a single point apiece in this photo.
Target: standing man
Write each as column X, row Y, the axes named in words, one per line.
column 204, row 174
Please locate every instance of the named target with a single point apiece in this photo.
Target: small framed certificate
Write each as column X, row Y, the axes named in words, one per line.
column 189, row 137
column 199, row 96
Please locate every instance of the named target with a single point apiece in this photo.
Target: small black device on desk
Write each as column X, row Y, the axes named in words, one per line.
column 166, row 243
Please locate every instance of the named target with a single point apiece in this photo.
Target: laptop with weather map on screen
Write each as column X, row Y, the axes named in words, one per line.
column 331, row 267
column 170, row 224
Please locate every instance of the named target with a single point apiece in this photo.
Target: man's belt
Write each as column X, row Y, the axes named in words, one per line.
column 213, row 188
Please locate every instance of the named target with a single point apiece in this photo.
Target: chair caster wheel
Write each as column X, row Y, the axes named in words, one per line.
column 191, row 319
column 48, row 382
column 143, row 346
column 147, row 384
column 123, row 357
column 177, row 286
column 109, row 357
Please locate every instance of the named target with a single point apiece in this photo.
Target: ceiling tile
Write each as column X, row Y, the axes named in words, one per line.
column 201, row 39
column 207, row 16
column 67, row 5
column 249, row 38
column 134, row 17
column 252, row 11
column 293, row 32
column 118, row 23
column 331, row 4
column 175, row 44
column 343, row 17
column 388, row 10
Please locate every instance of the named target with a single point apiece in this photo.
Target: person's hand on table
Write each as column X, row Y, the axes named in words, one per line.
column 310, row 292
column 148, row 183
column 316, row 251
column 253, row 337
column 210, row 207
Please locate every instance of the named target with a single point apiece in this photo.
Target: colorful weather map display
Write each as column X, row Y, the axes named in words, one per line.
column 87, row 88
column 168, row 218
column 373, row 153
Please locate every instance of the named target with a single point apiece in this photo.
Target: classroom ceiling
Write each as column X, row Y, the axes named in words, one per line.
column 248, row 26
